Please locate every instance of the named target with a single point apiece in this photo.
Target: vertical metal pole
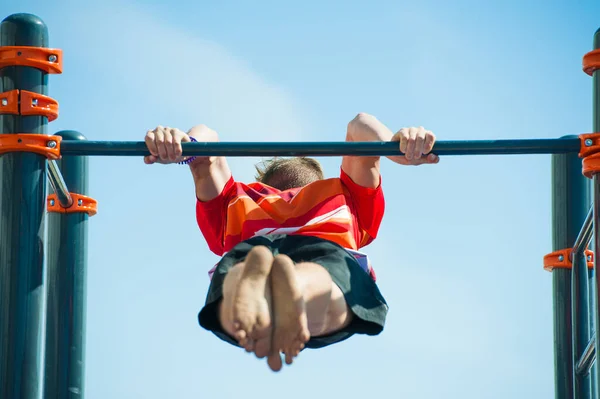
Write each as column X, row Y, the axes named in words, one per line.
column 592, row 320
column 22, row 204
column 580, row 322
column 66, row 292
column 596, row 199
column 569, row 210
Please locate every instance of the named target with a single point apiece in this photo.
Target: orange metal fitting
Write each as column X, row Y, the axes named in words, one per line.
column 37, row 143
column 48, row 60
column 81, row 203
column 561, row 259
column 591, row 62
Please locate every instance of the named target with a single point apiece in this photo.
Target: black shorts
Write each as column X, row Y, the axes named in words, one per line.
column 360, row 291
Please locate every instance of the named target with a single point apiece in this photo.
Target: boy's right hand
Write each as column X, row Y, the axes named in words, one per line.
column 164, row 144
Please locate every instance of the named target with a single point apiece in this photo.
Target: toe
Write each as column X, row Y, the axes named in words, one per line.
column 241, row 337
column 261, row 348
column 304, row 335
column 289, row 359
column 274, row 361
column 249, row 346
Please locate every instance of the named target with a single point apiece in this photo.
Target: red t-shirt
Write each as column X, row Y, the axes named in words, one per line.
column 334, row 209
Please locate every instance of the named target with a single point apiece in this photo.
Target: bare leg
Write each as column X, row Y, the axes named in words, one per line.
column 289, row 312
column 245, row 312
column 326, row 307
column 306, row 303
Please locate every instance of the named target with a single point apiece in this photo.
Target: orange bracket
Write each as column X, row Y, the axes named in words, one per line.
column 81, row 203
column 37, row 143
column 591, row 62
column 48, row 60
column 38, row 104
column 9, row 102
column 590, row 152
column 23, row 102
column 562, row 259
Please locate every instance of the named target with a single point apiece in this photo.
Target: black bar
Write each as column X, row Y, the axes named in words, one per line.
column 66, row 293
column 22, row 204
column 249, row 149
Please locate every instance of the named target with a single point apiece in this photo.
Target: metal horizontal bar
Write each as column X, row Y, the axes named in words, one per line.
column 59, row 185
column 250, row 149
column 585, row 234
column 588, row 357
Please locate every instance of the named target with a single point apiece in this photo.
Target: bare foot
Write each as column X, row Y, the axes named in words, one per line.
column 251, row 308
column 291, row 327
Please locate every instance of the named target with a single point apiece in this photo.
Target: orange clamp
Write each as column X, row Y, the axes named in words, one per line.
column 38, row 104
column 562, row 259
column 23, row 102
column 37, row 143
column 81, row 203
column 9, row 102
column 590, row 152
column 591, row 62
column 48, row 60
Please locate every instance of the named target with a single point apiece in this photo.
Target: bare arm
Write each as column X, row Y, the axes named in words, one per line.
column 414, row 142
column 364, row 171
column 210, row 173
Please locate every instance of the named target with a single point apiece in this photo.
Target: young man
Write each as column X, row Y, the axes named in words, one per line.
column 290, row 276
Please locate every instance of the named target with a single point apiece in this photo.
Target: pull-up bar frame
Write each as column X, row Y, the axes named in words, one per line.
column 29, row 158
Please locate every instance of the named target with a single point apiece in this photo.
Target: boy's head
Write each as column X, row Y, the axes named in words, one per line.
column 286, row 173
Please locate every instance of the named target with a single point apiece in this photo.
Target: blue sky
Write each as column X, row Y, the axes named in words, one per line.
column 459, row 256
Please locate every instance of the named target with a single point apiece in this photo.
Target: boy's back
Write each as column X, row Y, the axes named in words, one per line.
column 334, row 209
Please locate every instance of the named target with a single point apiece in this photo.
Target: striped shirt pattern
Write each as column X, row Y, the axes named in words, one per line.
column 335, row 209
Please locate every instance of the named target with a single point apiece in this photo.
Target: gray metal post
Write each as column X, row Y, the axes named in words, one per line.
column 596, row 201
column 22, row 200
column 569, row 191
column 66, row 280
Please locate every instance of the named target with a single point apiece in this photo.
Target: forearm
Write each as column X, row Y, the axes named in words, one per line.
column 365, row 171
column 210, row 174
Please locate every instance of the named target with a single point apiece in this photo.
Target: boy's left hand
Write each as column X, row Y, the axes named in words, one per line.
column 416, row 144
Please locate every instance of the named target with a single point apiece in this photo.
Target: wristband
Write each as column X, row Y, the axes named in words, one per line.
column 190, row 159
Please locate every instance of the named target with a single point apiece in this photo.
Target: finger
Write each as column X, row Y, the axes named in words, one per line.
column 169, row 144
column 177, row 137
column 403, row 139
column 429, row 142
column 160, row 143
column 150, row 142
column 419, row 143
column 410, row 147
column 429, row 159
column 149, row 160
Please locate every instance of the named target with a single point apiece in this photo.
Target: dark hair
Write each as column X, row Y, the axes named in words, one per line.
column 286, row 173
